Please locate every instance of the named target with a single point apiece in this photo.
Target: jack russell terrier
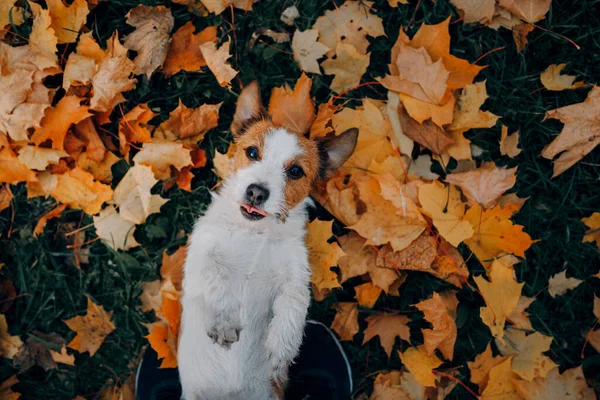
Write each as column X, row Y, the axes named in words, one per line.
column 246, row 276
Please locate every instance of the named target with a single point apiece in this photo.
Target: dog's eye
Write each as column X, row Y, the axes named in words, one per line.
column 252, row 153
column 295, row 172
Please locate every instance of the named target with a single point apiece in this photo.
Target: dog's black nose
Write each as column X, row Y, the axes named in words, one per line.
column 256, row 195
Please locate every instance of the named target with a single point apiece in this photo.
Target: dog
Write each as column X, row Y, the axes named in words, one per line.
column 246, row 276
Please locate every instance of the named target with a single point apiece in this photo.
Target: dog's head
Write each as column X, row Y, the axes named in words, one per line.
column 275, row 169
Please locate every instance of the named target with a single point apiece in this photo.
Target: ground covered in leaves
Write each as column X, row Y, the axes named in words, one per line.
column 456, row 254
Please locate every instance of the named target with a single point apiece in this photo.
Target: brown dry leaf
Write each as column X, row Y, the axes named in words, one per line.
column 509, row 145
column 307, row 50
column 593, row 233
column 484, row 185
column 323, row 125
column 9, row 345
column 442, row 336
column 426, row 134
column 322, row 255
column 348, row 66
column 345, row 323
column 115, row 231
column 37, row 350
column 95, row 148
column 387, row 327
column 293, row 109
column 473, row 11
column 501, row 295
column 132, row 195
column 67, row 20
column 54, row 213
column 92, row 328
column 500, row 383
column 184, row 50
column 447, row 211
column 349, row 24
column 570, row 385
column 559, row 284
column 57, row 121
column 580, row 134
column 161, row 156
column 481, row 366
column 172, row 267
column 553, row 80
column 528, row 361
column 6, row 392
column 367, row 294
column 78, row 189
column 189, row 125
column 12, row 170
column 39, row 158
column 150, row 39
column 420, row 365
column 495, row 233
column 397, row 385
column 216, row 61
column 528, row 10
column 520, row 33
column 218, row 6
column 467, row 114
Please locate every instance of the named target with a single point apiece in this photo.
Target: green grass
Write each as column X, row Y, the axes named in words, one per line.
column 52, row 289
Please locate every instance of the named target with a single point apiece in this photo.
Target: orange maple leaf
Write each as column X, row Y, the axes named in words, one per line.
column 184, row 50
column 293, row 109
column 57, row 121
column 387, row 327
column 91, row 328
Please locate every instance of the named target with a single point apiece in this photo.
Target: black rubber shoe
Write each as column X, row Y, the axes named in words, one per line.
column 153, row 383
column 321, row 371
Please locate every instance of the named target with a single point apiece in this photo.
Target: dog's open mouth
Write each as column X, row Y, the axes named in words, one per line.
column 252, row 213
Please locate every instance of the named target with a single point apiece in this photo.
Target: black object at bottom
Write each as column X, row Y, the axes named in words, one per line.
column 320, row 372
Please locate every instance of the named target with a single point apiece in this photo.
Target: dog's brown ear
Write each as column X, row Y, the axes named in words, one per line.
column 335, row 150
column 249, row 108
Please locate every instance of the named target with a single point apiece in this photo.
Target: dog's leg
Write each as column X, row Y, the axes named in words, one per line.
column 287, row 326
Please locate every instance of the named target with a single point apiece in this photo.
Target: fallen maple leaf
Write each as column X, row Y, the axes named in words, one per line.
column 57, row 120
column 481, row 366
column 189, row 125
column 322, row 255
column 509, row 144
column 420, row 365
column 12, row 170
column 6, row 196
column 580, row 134
column 559, row 284
column 570, row 384
column 473, row 11
column 101, row 171
column 37, row 350
column 397, row 385
column 184, row 52
column 501, row 295
column 67, row 20
column 95, row 148
column 527, row 361
column 216, row 61
column 495, row 233
column 307, row 50
column 162, row 341
column 172, row 267
column 468, row 114
column 553, row 80
column 444, row 206
column 528, row 10
column 293, row 109
column 367, row 294
column 519, row 318
column 218, row 6
column 500, row 383
column 442, row 336
column 63, row 357
column 114, row 230
column 350, row 24
column 348, row 66
column 345, row 323
column 92, row 328
column 161, row 156
column 387, row 327
column 133, row 128
column 78, row 189
column 520, row 32
column 9, row 345
column 593, row 233
column 132, row 195
column 54, row 213
column 426, row 134
column 39, row 158
column 484, row 185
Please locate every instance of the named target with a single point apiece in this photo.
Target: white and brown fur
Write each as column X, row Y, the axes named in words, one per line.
column 246, row 282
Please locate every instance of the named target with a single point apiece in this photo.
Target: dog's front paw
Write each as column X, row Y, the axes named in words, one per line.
column 225, row 333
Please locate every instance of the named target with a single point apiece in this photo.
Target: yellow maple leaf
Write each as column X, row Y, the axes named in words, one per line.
column 570, row 384
column 397, row 385
column 552, row 79
column 500, row 383
column 91, row 328
column 528, row 10
column 468, row 114
column 77, row 189
column 348, row 67
column 345, row 323
column 114, row 230
column 593, row 234
column 216, row 61
column 421, row 110
column 161, row 156
column 420, row 365
column 484, row 185
column 67, row 20
column 481, row 366
column 9, row 345
column 387, row 327
column 57, row 121
column 367, row 294
column 519, row 318
column 307, row 50
column 527, row 361
column 184, row 50
column 293, row 109
column 218, row 6
column 444, row 206
column 322, row 255
column 559, row 284
column 12, row 170
column 442, row 336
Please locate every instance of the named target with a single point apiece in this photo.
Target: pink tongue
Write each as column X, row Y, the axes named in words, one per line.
column 252, row 209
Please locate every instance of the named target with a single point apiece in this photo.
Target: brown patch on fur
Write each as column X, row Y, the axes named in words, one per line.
column 253, row 136
column 298, row 189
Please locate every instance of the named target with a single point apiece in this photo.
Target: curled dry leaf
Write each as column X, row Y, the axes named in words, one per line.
column 150, row 38
column 580, row 134
column 184, row 52
column 92, row 328
column 520, row 32
column 387, row 327
column 421, row 365
column 161, row 156
column 307, row 50
column 345, row 323
column 322, row 255
column 526, row 350
column 593, row 233
column 78, row 189
column 348, row 66
column 133, row 128
column 484, row 185
column 349, row 24
column 559, row 284
column 114, row 230
column 442, row 336
column 9, row 345
column 216, row 61
column 552, row 79
column 67, row 20
column 293, row 109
